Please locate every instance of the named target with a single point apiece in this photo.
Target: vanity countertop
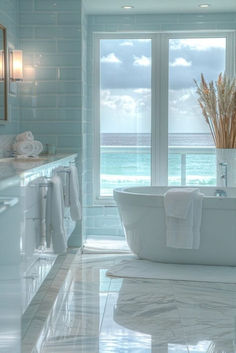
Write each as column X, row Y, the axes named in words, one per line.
column 12, row 169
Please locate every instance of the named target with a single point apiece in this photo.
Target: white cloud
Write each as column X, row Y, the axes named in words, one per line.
column 197, row 43
column 123, row 103
column 181, row 62
column 142, row 61
column 144, row 40
column 127, row 44
column 142, row 90
column 185, row 97
column 111, row 58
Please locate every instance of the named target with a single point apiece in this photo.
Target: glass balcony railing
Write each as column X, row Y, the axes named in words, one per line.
column 131, row 166
column 191, row 166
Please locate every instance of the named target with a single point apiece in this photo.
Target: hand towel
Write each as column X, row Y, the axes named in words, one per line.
column 55, row 217
column 183, row 223
column 75, row 206
column 25, row 148
column 64, row 174
column 25, row 136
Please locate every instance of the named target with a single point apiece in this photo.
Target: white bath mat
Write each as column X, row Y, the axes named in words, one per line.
column 105, row 245
column 134, row 268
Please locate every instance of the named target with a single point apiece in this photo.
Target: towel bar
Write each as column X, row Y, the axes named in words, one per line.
column 46, row 183
column 68, row 171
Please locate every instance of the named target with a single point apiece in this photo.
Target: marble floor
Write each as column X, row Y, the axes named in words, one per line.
column 97, row 314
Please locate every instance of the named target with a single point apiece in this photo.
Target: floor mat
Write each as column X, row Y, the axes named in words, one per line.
column 134, row 268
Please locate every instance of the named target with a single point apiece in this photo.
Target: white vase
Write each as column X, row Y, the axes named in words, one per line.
column 226, row 167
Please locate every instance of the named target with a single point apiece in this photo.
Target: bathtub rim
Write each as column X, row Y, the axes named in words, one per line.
column 125, row 195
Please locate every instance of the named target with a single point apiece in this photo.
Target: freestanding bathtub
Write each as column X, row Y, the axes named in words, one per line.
column 143, row 217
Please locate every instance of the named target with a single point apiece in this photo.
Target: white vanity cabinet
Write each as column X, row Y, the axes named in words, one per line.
column 36, row 258
column 10, row 280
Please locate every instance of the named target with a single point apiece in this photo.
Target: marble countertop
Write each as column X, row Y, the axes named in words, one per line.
column 12, row 169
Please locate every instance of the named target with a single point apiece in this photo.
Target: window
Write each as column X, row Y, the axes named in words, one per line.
column 149, row 128
column 191, row 159
column 125, row 113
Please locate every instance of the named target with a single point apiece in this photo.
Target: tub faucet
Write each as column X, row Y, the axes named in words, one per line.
column 225, row 173
column 220, row 193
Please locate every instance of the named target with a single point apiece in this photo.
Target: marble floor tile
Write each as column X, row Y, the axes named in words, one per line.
column 97, row 314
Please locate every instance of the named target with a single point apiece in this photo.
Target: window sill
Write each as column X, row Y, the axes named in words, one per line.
column 104, row 201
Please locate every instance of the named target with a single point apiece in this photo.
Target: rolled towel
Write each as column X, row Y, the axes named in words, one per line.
column 25, row 148
column 38, row 147
column 25, row 136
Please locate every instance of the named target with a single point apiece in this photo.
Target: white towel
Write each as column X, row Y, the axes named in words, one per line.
column 25, row 136
column 55, row 231
column 24, row 148
column 178, row 200
column 38, row 147
column 64, row 174
column 183, row 208
column 75, row 206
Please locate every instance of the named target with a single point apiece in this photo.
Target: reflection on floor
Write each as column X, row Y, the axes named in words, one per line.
column 94, row 313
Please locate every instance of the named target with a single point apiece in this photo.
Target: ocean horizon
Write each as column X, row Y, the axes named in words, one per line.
column 144, row 139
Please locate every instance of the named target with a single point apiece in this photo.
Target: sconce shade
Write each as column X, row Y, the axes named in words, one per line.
column 16, row 65
column 2, row 65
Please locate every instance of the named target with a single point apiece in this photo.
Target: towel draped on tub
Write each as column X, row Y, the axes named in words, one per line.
column 183, row 209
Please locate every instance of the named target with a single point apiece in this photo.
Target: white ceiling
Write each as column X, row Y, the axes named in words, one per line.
column 157, row 6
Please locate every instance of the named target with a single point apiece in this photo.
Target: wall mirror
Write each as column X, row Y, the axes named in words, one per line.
column 3, row 74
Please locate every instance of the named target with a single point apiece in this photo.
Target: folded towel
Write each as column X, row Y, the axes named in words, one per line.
column 55, row 231
column 75, row 206
column 178, row 200
column 38, row 148
column 183, row 223
column 25, row 148
column 25, row 136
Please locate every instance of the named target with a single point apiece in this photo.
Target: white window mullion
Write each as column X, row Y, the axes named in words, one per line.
column 160, row 110
column 155, row 143
column 231, row 54
column 96, row 116
column 163, row 110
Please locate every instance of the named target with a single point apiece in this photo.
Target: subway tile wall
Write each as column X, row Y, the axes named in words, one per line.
column 9, row 11
column 52, row 94
column 105, row 220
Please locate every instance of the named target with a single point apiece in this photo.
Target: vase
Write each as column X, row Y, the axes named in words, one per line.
column 226, row 167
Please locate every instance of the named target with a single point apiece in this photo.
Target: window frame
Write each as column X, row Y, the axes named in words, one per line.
column 159, row 97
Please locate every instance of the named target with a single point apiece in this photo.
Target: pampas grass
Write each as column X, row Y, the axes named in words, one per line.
column 218, row 103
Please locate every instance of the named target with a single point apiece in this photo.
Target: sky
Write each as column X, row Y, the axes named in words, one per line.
column 126, row 83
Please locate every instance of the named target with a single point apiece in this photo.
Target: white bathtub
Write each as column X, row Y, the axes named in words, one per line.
column 143, row 217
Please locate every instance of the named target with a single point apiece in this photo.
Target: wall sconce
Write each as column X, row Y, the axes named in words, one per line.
column 16, row 65
column 2, row 66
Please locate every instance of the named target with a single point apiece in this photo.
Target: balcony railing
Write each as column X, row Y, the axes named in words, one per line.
column 130, row 165
column 184, row 151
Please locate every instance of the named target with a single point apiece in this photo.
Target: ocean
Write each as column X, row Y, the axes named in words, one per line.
column 126, row 160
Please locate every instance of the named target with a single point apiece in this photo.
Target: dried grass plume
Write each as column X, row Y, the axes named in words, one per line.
column 218, row 103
